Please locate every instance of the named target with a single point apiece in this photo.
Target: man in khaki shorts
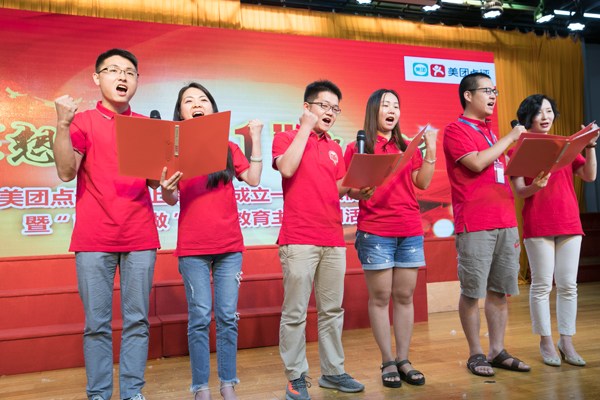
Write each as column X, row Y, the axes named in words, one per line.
column 487, row 239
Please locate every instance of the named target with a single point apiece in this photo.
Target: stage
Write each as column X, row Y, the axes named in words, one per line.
column 438, row 349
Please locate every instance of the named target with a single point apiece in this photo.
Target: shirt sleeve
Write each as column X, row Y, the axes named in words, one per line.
column 240, row 162
column 417, row 160
column 578, row 162
column 78, row 136
column 341, row 165
column 350, row 150
column 458, row 142
column 281, row 142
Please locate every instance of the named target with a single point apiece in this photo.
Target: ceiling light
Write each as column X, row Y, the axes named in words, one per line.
column 363, row 1
column 540, row 15
column 562, row 12
column 431, row 8
column 491, row 8
column 576, row 26
column 454, row 1
column 591, row 15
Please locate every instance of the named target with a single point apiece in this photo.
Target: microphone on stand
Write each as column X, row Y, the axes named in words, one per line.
column 361, row 136
column 154, row 114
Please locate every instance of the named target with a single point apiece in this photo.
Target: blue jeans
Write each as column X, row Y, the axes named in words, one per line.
column 227, row 275
column 95, row 279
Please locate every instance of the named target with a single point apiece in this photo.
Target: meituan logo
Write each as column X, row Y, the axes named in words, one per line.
column 420, row 69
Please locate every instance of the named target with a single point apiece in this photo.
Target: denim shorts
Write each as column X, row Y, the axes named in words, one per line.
column 380, row 252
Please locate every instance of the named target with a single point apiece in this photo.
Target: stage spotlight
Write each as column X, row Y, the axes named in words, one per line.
column 491, row 8
column 363, row 1
column 576, row 26
column 433, row 7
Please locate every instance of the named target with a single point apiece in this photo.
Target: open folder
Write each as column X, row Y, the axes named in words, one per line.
column 195, row 146
column 368, row 170
column 537, row 152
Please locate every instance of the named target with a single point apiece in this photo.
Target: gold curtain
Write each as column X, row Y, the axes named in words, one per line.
column 525, row 63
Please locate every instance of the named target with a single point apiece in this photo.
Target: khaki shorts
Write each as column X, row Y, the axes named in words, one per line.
column 488, row 260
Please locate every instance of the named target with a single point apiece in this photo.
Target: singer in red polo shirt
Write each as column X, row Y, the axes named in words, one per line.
column 311, row 240
column 487, row 239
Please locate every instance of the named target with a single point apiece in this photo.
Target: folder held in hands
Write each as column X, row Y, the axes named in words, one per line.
column 537, row 152
column 369, row 170
column 195, row 146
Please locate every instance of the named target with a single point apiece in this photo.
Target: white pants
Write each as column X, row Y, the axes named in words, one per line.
column 556, row 256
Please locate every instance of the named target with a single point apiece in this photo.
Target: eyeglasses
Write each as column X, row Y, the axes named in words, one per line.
column 326, row 107
column 114, row 70
column 487, row 90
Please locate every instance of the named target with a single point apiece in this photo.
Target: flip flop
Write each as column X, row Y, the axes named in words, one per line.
column 498, row 362
column 478, row 360
column 408, row 376
column 387, row 375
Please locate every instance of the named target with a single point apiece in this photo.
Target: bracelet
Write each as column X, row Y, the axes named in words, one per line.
column 430, row 161
column 255, row 159
column 590, row 146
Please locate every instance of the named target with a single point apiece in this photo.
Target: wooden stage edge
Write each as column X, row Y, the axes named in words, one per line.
column 438, row 349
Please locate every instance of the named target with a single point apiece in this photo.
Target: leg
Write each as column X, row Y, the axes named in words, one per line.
column 195, row 271
column 567, row 263
column 475, row 251
column 95, row 279
column 405, row 281
column 379, row 285
column 329, row 293
column 541, row 256
column 298, row 263
column 136, row 270
column 227, row 276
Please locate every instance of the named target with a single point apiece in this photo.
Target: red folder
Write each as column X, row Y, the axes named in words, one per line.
column 368, row 170
column 537, row 152
column 195, row 146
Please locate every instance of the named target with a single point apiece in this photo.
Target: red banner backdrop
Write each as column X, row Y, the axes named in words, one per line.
column 255, row 75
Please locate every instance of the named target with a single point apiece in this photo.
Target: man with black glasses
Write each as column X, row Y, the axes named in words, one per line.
column 487, row 239
column 115, row 225
column 311, row 241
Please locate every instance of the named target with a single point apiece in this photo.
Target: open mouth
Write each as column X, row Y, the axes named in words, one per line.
column 196, row 114
column 122, row 89
column 326, row 120
column 389, row 119
column 491, row 104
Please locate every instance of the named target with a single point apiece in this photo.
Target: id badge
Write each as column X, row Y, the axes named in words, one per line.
column 499, row 171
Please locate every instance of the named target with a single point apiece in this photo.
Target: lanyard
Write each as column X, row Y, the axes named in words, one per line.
column 472, row 125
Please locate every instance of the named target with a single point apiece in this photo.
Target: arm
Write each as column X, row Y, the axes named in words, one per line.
column 480, row 160
column 422, row 177
column 252, row 175
column 170, row 193
column 524, row 191
column 66, row 158
column 288, row 162
column 587, row 172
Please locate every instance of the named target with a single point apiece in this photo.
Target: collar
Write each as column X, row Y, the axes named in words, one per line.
column 108, row 114
column 484, row 124
column 325, row 136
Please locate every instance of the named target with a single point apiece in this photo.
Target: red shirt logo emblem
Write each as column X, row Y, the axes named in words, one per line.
column 333, row 156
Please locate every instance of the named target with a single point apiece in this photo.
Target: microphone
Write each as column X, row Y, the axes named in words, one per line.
column 514, row 123
column 361, row 136
column 154, row 114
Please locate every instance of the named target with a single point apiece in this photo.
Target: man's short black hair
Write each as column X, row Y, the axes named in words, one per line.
column 313, row 89
column 467, row 83
column 116, row 52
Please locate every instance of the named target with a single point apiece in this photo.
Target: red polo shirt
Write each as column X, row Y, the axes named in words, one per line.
column 553, row 210
column 393, row 211
column 208, row 218
column 311, row 203
column 113, row 213
column 478, row 202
